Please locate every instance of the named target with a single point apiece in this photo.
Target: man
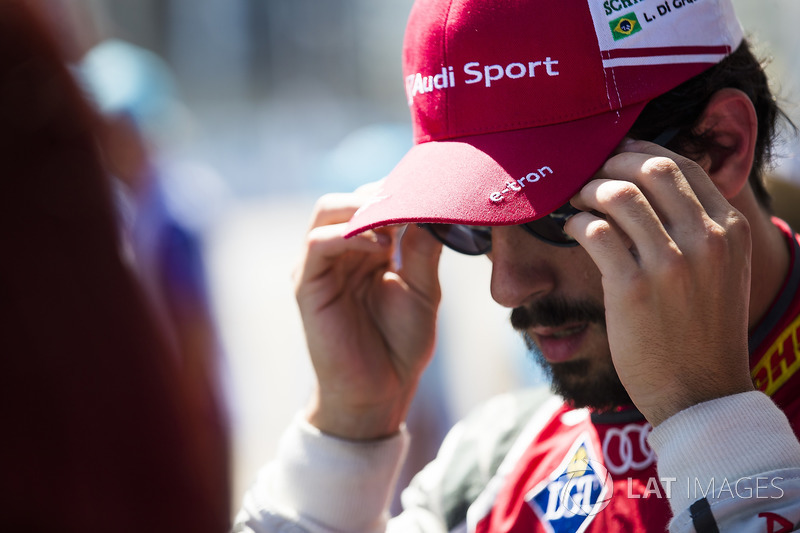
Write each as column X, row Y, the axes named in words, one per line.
column 645, row 306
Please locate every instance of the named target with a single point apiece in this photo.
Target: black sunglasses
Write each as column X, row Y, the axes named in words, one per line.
column 477, row 240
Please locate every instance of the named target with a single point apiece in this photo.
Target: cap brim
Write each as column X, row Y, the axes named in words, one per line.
column 495, row 179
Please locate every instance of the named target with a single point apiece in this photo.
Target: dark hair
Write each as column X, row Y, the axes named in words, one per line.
column 683, row 106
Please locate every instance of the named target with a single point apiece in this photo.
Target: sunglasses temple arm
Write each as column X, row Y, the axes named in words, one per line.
column 665, row 136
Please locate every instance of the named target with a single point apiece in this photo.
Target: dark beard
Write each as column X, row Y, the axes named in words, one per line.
column 594, row 384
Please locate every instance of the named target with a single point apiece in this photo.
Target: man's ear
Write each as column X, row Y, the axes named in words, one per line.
column 730, row 120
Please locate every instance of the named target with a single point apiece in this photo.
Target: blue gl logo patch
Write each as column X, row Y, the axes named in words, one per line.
column 575, row 492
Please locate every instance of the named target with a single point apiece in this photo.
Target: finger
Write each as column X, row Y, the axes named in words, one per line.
column 704, row 189
column 335, row 208
column 663, row 183
column 624, row 205
column 370, row 189
column 605, row 243
column 420, row 254
column 325, row 245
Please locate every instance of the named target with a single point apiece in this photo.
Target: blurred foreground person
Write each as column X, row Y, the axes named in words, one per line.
column 165, row 206
column 608, row 158
column 96, row 437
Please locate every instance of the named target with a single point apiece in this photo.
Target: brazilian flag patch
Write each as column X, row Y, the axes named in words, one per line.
column 624, row 26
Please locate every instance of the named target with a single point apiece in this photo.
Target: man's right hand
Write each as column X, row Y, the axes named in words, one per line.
column 369, row 322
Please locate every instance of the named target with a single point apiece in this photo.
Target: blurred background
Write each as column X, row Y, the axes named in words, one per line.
column 253, row 108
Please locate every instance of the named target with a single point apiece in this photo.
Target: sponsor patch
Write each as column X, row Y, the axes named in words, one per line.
column 574, row 493
column 780, row 362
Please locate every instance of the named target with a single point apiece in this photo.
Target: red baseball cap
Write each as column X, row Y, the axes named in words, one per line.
column 515, row 104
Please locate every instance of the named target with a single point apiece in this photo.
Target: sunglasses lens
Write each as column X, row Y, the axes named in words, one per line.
column 551, row 228
column 471, row 240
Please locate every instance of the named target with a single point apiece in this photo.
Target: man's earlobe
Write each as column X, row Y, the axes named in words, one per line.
column 730, row 120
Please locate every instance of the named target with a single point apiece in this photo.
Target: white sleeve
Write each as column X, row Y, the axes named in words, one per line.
column 319, row 483
column 732, row 463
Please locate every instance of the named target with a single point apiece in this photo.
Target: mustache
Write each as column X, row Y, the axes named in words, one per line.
column 554, row 312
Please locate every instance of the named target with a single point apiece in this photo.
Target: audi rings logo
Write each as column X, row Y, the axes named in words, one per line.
column 627, row 449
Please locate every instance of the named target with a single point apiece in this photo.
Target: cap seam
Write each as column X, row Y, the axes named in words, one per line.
column 444, row 54
column 605, row 74
column 724, row 28
column 616, row 90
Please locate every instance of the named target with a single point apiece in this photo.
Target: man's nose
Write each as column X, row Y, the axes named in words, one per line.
column 522, row 270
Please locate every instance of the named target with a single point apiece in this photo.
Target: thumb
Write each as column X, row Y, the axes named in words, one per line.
column 419, row 256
